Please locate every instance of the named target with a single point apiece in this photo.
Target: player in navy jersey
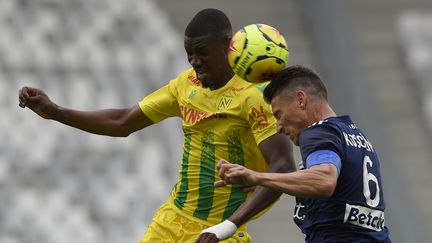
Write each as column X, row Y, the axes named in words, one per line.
column 338, row 189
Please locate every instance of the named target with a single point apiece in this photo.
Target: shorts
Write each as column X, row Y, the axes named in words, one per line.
column 169, row 226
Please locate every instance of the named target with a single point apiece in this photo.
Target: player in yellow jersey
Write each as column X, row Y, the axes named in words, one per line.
column 223, row 117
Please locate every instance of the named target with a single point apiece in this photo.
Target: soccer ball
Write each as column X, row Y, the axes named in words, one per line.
column 257, row 52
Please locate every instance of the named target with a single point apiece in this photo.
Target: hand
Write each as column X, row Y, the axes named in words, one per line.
column 221, row 231
column 37, row 101
column 235, row 174
column 207, row 238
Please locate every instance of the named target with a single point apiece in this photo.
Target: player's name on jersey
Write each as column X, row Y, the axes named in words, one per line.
column 358, row 141
column 365, row 217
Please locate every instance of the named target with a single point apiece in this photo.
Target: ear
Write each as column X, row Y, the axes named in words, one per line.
column 228, row 43
column 301, row 99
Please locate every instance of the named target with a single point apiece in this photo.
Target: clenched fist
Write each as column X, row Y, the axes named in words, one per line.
column 37, row 101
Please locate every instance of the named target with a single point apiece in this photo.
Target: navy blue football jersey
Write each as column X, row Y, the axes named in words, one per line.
column 355, row 211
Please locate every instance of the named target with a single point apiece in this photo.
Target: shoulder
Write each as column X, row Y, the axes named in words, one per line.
column 321, row 135
column 251, row 93
column 254, row 103
column 184, row 82
column 323, row 130
column 256, row 88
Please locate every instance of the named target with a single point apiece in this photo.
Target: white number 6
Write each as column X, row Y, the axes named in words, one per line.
column 373, row 202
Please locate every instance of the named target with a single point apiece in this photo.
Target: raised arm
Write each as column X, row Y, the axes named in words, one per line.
column 109, row 122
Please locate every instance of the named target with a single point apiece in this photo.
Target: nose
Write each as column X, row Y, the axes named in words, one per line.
column 194, row 61
column 279, row 128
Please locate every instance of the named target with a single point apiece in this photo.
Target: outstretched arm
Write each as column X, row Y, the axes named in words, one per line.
column 110, row 122
column 278, row 151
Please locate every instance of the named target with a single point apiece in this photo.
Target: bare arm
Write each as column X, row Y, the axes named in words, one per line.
column 110, row 122
column 318, row 181
column 278, row 151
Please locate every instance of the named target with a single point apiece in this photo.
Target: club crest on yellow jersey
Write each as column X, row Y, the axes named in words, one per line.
column 224, row 102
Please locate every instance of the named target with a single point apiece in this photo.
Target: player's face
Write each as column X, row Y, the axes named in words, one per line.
column 291, row 118
column 208, row 57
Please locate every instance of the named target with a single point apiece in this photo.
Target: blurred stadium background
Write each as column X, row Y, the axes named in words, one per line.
column 60, row 185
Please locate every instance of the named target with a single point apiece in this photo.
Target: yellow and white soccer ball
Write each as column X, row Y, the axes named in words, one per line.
column 257, row 52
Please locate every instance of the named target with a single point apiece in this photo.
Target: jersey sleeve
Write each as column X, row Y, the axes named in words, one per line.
column 162, row 103
column 260, row 116
column 323, row 141
column 324, row 156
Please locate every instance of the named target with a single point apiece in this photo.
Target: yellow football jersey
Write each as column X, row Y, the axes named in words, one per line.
column 226, row 123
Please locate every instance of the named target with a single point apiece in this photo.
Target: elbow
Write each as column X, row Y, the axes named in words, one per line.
column 327, row 189
column 124, row 128
column 116, row 134
column 123, row 135
column 284, row 166
column 327, row 177
column 290, row 166
column 124, row 132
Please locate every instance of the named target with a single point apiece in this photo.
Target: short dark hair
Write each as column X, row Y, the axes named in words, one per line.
column 211, row 22
column 295, row 77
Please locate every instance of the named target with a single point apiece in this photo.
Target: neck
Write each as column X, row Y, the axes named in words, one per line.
column 223, row 79
column 321, row 112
